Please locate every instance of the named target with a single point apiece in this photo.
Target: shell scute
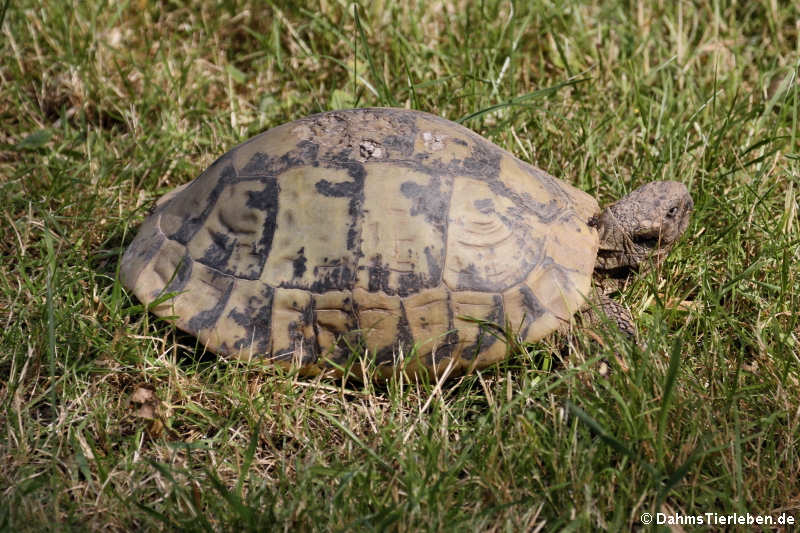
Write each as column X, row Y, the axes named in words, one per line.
column 234, row 240
column 380, row 321
column 321, row 258
column 292, row 327
column 402, row 240
column 336, row 321
column 490, row 244
column 247, row 319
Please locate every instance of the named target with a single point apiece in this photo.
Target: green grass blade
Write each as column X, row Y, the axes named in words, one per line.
column 669, row 387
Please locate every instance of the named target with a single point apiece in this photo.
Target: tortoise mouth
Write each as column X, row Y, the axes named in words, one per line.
column 619, row 272
column 618, row 265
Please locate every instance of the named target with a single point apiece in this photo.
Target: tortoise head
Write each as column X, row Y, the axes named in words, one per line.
column 641, row 228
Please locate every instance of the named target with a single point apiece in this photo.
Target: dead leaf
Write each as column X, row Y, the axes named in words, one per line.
column 144, row 393
column 144, row 402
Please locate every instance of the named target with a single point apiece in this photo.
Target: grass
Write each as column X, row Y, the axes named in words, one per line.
column 106, row 106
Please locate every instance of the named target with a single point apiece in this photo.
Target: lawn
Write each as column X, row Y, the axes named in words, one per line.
column 106, row 106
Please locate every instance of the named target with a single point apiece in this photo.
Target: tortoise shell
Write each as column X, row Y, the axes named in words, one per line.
column 386, row 229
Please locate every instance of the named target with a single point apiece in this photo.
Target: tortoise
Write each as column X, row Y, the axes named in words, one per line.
column 393, row 230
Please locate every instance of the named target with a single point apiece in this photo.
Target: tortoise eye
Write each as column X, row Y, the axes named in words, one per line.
column 672, row 211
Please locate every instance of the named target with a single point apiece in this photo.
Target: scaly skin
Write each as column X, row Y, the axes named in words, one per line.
column 636, row 233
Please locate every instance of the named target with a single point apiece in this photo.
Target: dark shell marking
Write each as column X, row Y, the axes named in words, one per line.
column 382, row 227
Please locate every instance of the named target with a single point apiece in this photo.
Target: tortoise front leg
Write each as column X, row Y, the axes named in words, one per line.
column 603, row 309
